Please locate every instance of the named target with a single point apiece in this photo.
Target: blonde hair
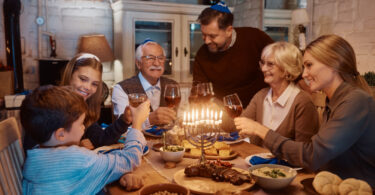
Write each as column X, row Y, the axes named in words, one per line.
column 93, row 102
column 335, row 52
column 287, row 56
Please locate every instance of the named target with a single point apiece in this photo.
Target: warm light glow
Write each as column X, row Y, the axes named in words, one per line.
column 207, row 117
column 184, row 121
column 188, row 117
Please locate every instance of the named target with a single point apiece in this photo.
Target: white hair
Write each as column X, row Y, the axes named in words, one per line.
column 139, row 50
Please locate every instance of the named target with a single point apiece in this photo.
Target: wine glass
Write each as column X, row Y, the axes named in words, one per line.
column 205, row 91
column 172, row 95
column 135, row 99
column 233, row 105
column 193, row 97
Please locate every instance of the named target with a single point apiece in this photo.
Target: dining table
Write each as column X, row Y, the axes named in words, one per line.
column 151, row 174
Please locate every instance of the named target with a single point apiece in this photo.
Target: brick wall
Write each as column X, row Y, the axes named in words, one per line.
column 247, row 13
column 352, row 19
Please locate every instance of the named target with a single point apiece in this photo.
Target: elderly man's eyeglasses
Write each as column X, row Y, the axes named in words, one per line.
column 267, row 63
column 151, row 58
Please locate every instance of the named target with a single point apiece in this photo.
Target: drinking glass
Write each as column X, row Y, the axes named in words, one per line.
column 205, row 92
column 233, row 105
column 135, row 99
column 193, row 97
column 172, row 95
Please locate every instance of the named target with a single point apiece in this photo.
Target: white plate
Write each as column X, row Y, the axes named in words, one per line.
column 266, row 155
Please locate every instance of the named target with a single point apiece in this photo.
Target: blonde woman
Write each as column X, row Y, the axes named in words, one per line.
column 283, row 107
column 344, row 142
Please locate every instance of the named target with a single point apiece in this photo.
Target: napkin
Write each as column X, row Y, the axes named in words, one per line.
column 259, row 160
column 155, row 131
column 233, row 137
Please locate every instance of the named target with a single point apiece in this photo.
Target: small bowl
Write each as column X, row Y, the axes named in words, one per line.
column 170, row 156
column 170, row 187
column 273, row 183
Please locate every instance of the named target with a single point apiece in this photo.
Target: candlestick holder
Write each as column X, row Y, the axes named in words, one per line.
column 202, row 130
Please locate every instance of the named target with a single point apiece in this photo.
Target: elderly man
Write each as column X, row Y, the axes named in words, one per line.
column 150, row 59
column 229, row 58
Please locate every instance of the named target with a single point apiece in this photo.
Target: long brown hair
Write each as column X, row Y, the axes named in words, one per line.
column 337, row 53
column 93, row 102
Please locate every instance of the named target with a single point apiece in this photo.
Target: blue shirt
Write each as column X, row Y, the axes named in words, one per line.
column 77, row 170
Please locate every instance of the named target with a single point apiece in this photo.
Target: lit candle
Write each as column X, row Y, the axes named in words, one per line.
column 188, row 123
column 216, row 122
column 202, row 117
column 212, row 117
column 207, row 117
column 184, row 121
column 221, row 115
column 196, row 118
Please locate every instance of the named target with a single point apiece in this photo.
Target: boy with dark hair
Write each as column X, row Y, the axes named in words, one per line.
column 54, row 116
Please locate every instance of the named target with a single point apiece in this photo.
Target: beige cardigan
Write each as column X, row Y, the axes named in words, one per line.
column 300, row 124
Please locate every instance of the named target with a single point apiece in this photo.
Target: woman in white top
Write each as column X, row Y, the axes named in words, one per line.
column 283, row 107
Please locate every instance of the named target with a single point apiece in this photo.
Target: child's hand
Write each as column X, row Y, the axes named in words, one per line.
column 131, row 181
column 87, row 144
column 140, row 114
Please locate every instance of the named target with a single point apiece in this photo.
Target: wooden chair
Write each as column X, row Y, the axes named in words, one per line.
column 11, row 157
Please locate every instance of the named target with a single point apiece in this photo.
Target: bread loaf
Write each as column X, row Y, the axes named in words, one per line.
column 326, row 183
column 354, row 186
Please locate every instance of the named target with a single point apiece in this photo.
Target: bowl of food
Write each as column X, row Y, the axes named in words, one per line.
column 172, row 153
column 164, row 188
column 272, row 176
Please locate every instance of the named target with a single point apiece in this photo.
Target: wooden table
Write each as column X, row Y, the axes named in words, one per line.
column 244, row 149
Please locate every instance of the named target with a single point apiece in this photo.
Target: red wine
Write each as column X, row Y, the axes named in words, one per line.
column 234, row 110
column 172, row 101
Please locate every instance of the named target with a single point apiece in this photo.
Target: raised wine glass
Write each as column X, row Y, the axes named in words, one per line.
column 135, row 99
column 172, row 96
column 233, row 105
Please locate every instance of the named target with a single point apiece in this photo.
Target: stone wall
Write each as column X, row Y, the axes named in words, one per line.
column 352, row 19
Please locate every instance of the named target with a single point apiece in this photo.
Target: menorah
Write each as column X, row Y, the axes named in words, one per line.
column 202, row 128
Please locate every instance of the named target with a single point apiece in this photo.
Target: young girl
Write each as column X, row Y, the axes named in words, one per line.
column 84, row 74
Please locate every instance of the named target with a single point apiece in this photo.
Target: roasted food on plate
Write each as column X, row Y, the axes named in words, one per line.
column 218, row 171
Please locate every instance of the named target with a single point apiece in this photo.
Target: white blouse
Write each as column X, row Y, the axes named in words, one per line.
column 275, row 112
